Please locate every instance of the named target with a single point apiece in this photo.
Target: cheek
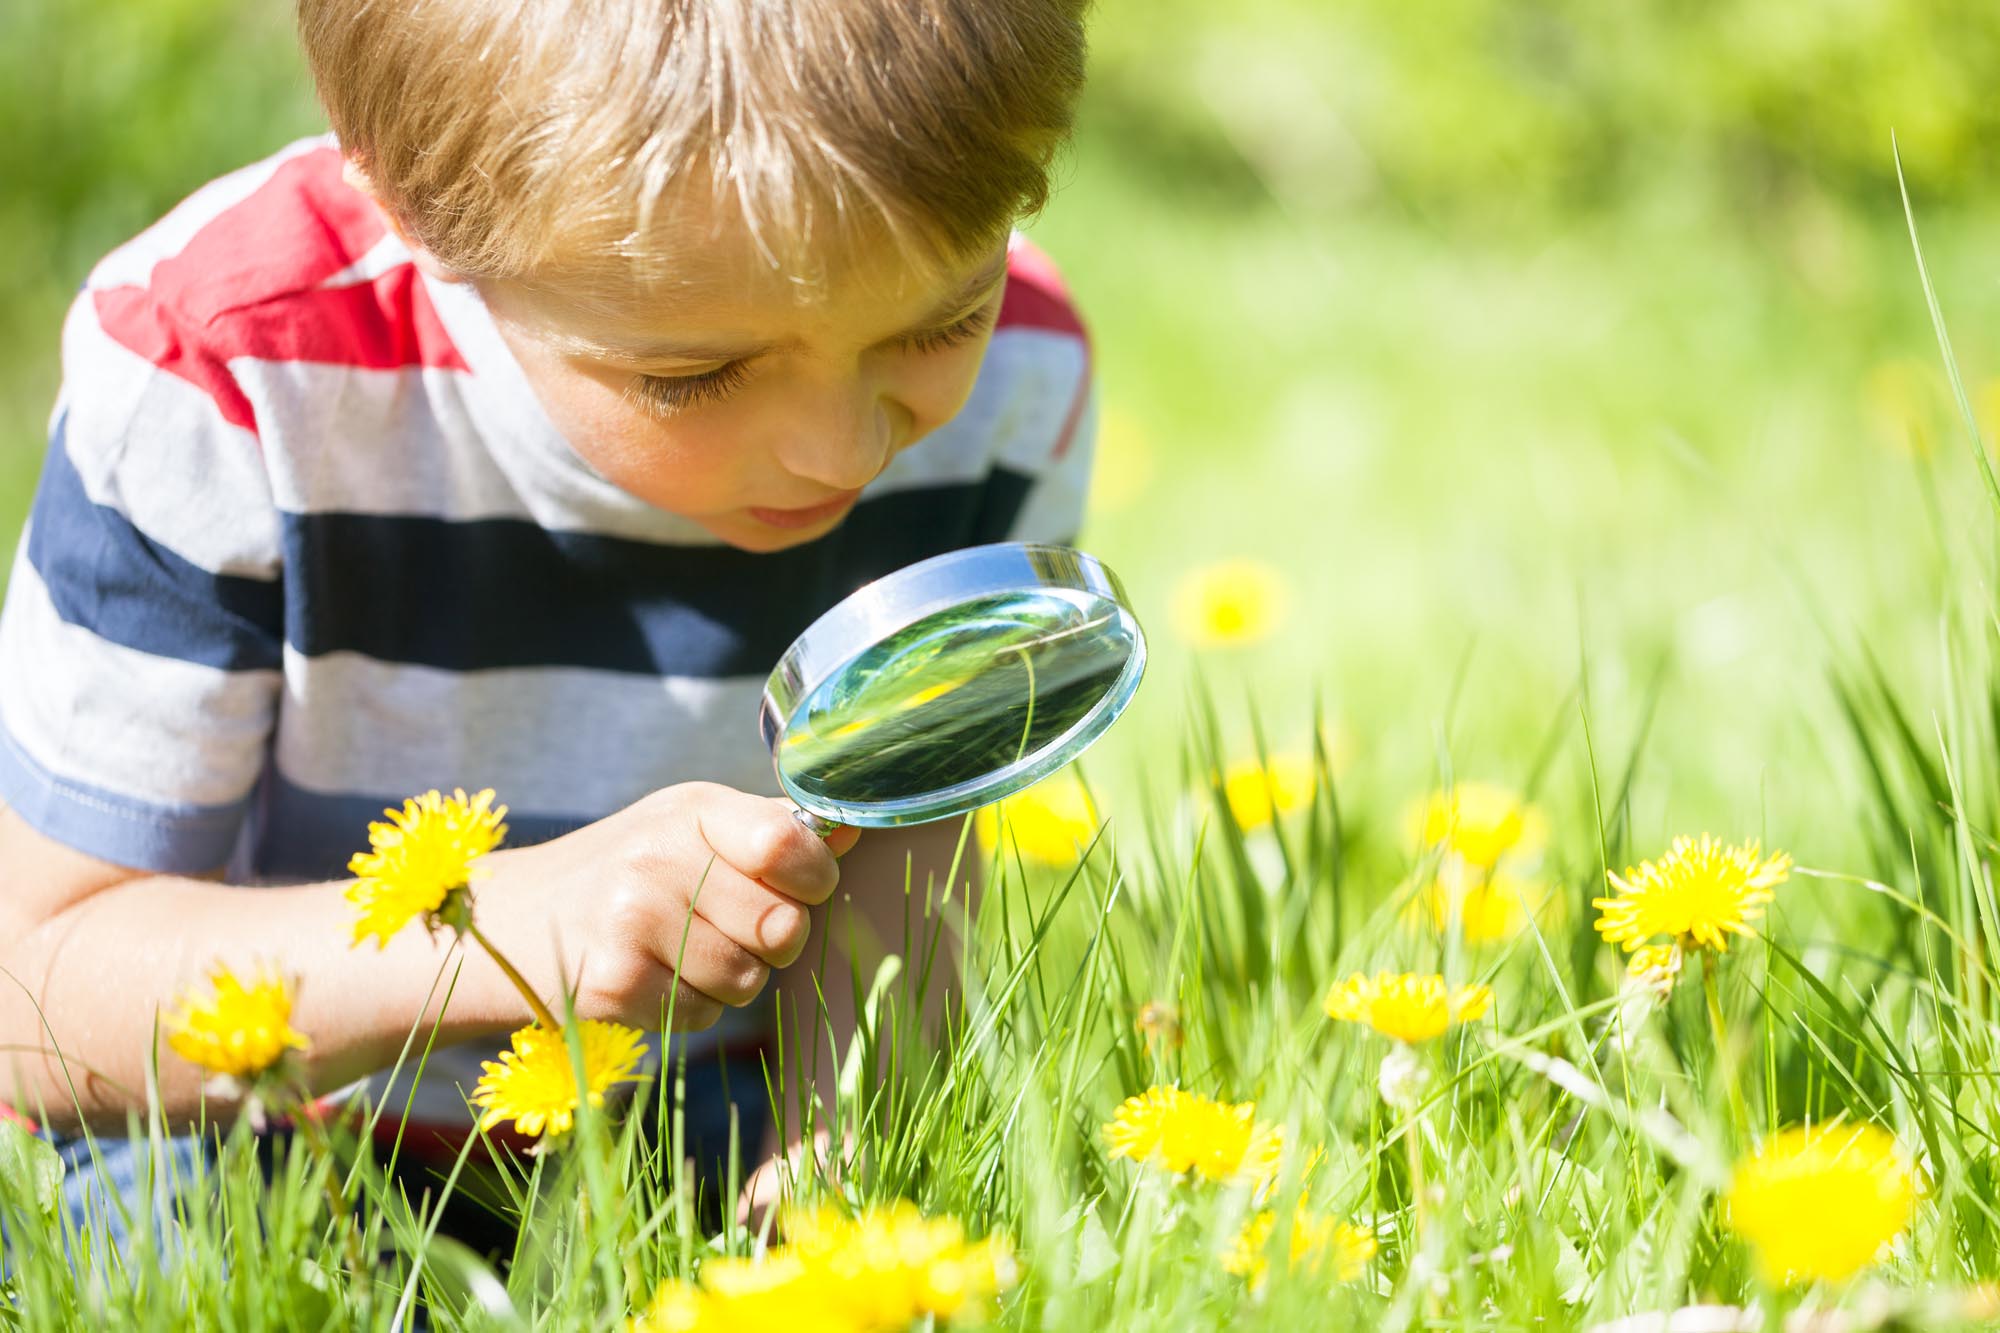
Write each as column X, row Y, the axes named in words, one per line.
column 946, row 382
column 685, row 465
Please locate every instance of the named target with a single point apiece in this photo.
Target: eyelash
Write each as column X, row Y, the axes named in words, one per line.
column 677, row 393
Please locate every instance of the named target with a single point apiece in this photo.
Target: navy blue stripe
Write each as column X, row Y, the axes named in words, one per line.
column 467, row 595
column 170, row 839
column 106, row 575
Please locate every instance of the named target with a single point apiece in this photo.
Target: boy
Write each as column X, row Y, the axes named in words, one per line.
column 504, row 441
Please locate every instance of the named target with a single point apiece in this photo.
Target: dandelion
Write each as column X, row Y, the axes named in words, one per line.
column 1478, row 823
column 236, row 1031
column 1408, row 1007
column 534, row 1083
column 1159, row 1023
column 1903, row 398
column 1819, row 1202
column 1183, row 1132
column 1051, row 823
column 1657, row 967
column 1317, row 1244
column 1493, row 908
column 894, row 1265
column 1230, row 604
column 1699, row 894
column 1259, row 794
column 1403, row 1079
column 876, row 1273
column 422, row 861
column 677, row 1307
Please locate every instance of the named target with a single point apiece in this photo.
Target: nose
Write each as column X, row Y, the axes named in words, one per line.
column 842, row 444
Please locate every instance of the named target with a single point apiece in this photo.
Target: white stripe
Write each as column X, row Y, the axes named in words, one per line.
column 385, row 254
column 1054, row 508
column 159, row 730
column 154, row 447
column 131, row 264
column 563, row 741
column 452, row 456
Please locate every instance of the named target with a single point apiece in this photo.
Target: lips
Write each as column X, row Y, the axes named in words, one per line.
column 809, row 515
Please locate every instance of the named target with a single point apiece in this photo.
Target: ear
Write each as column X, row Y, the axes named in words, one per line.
column 356, row 176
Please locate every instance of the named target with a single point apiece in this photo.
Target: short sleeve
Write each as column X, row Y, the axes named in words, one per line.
column 141, row 641
column 1035, row 408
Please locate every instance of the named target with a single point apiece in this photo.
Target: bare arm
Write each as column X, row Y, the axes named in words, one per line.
column 90, row 952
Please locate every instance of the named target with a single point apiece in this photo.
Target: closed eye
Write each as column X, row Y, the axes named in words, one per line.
column 954, row 335
column 676, row 393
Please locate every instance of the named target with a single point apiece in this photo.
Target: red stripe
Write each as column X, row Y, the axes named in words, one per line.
column 247, row 285
column 1035, row 296
column 10, row 1114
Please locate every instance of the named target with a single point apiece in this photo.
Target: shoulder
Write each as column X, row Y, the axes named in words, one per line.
column 281, row 261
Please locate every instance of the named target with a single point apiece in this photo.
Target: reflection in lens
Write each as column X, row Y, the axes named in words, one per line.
column 957, row 696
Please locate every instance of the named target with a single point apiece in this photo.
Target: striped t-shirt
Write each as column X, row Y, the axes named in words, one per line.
column 306, row 542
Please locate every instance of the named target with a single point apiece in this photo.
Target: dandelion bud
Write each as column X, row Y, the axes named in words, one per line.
column 1403, row 1078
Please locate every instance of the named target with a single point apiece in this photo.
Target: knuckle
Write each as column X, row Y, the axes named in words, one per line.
column 748, row 982
column 783, row 931
column 769, row 845
column 695, row 1012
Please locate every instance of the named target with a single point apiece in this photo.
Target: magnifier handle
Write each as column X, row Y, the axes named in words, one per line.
column 813, row 824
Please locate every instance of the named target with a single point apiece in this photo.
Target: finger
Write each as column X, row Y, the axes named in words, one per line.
column 767, row 923
column 712, row 963
column 841, row 841
column 759, row 837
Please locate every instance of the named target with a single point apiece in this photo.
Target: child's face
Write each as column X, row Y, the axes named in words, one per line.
column 735, row 403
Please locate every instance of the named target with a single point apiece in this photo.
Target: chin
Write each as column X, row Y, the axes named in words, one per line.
column 747, row 534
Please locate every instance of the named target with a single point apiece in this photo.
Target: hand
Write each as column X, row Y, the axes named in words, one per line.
column 779, row 1175
column 690, row 896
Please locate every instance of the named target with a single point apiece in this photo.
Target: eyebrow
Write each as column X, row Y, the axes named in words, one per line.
column 667, row 349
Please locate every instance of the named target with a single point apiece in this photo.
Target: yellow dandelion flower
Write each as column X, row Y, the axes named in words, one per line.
column 235, row 1030
column 1230, row 604
column 1820, row 1202
column 1478, row 823
column 428, row 851
column 1492, row 909
column 1656, row 966
column 534, row 1084
column 1408, row 1007
column 1181, row 1132
column 1258, row 794
column 891, row 1266
column 1700, row 893
column 1159, row 1023
column 1905, row 398
column 1317, row 1243
column 1051, row 822
column 677, row 1307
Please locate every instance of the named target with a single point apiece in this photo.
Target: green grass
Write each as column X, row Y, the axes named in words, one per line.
column 1606, row 501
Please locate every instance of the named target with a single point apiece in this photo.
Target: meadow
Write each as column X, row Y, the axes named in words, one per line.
column 1527, row 443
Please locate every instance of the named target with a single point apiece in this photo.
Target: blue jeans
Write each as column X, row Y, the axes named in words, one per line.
column 107, row 1189
column 103, row 1192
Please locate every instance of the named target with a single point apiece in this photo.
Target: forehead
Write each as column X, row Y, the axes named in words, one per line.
column 700, row 269
column 722, row 316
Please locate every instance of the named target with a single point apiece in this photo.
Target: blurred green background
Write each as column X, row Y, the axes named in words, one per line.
column 1532, row 343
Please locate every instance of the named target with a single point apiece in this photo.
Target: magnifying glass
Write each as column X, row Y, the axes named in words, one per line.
column 950, row 684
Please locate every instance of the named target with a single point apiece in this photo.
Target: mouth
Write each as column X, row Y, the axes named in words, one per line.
column 808, row 516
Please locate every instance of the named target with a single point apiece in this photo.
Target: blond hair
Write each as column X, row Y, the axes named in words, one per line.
column 530, row 137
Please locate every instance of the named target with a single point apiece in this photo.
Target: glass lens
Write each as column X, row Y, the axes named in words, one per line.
column 941, row 713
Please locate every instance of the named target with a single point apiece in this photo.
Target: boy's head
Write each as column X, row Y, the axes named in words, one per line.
column 745, row 250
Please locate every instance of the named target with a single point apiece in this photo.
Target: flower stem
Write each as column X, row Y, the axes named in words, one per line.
column 535, row 1005
column 1711, row 988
